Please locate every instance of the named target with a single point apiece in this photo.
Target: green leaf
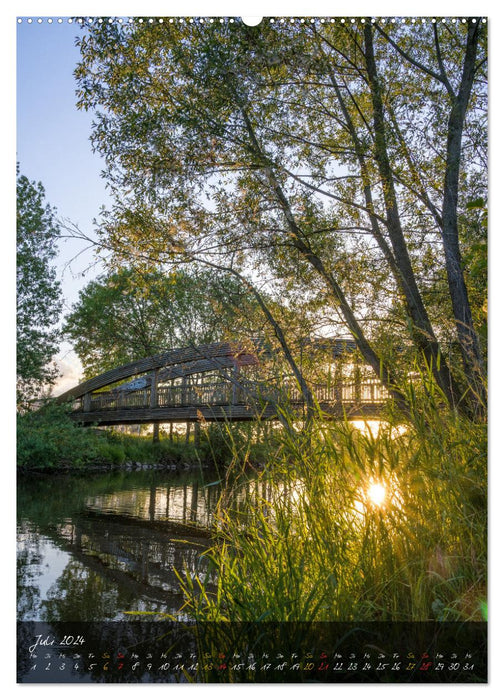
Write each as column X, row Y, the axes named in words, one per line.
column 476, row 204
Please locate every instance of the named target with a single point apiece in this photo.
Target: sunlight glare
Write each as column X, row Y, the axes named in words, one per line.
column 377, row 494
column 375, row 427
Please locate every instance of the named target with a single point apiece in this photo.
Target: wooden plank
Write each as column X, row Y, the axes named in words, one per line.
column 237, row 412
column 154, row 388
column 173, row 414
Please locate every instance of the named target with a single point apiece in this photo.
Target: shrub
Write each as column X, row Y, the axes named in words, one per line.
column 111, row 453
column 49, row 438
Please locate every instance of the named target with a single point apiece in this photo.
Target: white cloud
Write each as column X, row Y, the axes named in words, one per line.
column 71, row 372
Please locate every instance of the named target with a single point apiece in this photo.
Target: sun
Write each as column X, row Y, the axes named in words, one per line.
column 377, row 494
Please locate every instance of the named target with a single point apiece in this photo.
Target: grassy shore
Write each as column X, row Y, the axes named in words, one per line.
column 356, row 525
column 339, row 523
column 48, row 440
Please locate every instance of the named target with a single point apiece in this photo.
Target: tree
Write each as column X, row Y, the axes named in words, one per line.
column 129, row 314
column 319, row 151
column 38, row 292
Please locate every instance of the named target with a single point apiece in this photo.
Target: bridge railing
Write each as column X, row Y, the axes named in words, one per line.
column 370, row 391
column 220, row 393
column 193, row 395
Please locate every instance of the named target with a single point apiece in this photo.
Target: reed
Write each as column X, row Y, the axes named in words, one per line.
column 386, row 524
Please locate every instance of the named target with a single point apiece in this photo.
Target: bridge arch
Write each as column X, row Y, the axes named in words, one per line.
column 205, row 383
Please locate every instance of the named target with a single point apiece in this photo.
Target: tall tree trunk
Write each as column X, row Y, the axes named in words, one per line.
column 383, row 371
column 422, row 331
column 468, row 339
column 409, row 291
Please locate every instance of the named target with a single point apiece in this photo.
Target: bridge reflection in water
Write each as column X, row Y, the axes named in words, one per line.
column 92, row 548
column 222, row 381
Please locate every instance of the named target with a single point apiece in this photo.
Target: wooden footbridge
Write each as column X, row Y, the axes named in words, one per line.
column 216, row 382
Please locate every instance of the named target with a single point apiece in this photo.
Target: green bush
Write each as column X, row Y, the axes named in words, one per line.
column 225, row 444
column 49, row 438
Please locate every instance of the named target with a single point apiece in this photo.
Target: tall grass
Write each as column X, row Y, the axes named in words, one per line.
column 310, row 544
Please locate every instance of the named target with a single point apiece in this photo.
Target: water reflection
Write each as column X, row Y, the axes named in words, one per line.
column 89, row 549
column 187, row 503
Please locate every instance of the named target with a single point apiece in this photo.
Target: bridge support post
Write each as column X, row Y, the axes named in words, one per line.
column 153, row 403
column 235, row 391
column 86, row 404
column 153, row 391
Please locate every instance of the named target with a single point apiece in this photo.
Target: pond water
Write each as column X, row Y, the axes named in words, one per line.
column 92, row 547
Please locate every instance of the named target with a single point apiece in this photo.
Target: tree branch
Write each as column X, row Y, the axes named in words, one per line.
column 413, row 61
column 442, row 71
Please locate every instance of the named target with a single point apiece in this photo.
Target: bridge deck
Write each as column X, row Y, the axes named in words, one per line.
column 234, row 413
column 207, row 383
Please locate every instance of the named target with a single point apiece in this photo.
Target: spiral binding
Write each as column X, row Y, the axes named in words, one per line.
column 352, row 21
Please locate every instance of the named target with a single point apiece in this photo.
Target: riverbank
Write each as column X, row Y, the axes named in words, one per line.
column 49, row 441
column 175, row 468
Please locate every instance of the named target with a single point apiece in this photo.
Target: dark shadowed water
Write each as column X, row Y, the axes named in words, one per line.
column 92, row 547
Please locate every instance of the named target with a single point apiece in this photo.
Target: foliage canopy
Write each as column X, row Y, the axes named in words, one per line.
column 333, row 161
column 129, row 314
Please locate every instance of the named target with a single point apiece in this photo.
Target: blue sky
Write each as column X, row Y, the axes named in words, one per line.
column 53, row 136
column 53, row 147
